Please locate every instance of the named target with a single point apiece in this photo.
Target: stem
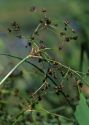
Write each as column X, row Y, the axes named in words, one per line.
column 32, row 65
column 66, row 67
column 4, row 79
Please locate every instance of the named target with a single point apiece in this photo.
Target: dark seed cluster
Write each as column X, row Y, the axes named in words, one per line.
column 57, row 78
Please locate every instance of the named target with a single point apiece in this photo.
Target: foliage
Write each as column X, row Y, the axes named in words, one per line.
column 56, row 80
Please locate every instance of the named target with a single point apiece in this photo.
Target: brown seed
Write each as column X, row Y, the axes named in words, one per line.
column 9, row 30
column 50, row 72
column 62, row 33
column 39, row 98
column 33, row 9
column 75, row 37
column 81, row 84
column 56, row 24
column 29, row 44
column 32, row 38
column 14, row 23
column 67, row 39
column 44, row 10
column 65, row 28
column 48, row 21
column 41, row 21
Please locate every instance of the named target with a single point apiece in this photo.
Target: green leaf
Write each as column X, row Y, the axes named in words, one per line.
column 82, row 111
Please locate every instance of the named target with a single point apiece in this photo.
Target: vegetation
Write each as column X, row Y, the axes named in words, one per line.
column 43, row 87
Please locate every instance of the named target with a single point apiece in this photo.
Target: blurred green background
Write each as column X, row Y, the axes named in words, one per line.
column 76, row 11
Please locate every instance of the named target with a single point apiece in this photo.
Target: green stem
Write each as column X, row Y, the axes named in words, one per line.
column 4, row 79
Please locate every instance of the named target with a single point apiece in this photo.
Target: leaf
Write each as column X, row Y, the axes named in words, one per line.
column 82, row 111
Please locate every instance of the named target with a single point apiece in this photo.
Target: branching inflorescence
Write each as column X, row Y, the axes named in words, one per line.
column 56, row 76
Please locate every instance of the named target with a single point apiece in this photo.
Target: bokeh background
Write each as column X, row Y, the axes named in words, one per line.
column 76, row 11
